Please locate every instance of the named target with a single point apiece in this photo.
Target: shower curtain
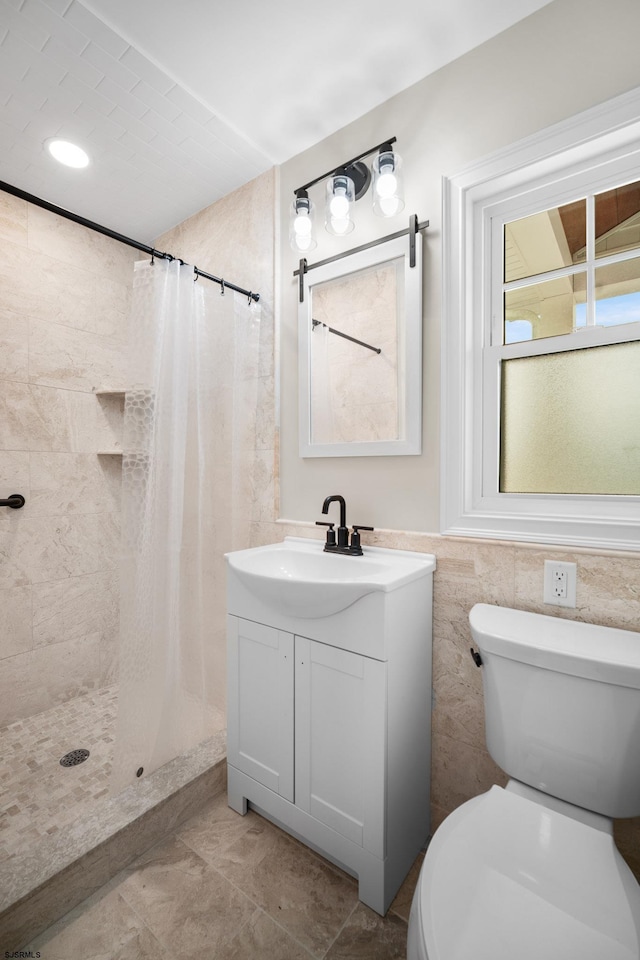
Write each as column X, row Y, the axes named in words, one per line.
column 189, row 435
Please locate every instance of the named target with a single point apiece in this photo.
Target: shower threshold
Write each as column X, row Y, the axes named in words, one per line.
column 50, row 863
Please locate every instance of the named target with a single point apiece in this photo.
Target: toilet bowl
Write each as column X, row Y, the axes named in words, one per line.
column 506, row 877
column 520, row 873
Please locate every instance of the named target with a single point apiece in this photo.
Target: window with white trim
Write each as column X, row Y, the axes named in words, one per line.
column 541, row 331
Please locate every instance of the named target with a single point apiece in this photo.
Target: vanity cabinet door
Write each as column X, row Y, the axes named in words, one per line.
column 260, row 669
column 340, row 741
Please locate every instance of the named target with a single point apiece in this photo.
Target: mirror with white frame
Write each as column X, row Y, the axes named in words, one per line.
column 360, row 353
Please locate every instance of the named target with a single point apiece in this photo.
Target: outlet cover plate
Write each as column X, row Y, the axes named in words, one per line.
column 560, row 578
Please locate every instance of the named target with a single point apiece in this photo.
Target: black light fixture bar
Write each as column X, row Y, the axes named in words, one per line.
column 113, row 235
column 345, row 336
column 366, row 153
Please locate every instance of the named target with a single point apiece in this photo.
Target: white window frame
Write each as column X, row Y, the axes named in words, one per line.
column 592, row 149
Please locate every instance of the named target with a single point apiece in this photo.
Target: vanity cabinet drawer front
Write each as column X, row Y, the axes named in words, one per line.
column 340, row 741
column 260, row 666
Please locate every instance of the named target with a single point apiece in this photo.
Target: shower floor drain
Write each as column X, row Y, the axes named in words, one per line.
column 74, row 757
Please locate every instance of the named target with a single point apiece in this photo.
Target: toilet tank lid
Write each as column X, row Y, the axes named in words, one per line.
column 607, row 654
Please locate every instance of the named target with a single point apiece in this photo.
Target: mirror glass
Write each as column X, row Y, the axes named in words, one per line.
column 360, row 354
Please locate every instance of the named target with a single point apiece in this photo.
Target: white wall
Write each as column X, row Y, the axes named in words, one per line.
column 568, row 56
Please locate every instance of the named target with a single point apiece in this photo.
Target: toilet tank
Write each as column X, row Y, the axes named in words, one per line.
column 562, row 706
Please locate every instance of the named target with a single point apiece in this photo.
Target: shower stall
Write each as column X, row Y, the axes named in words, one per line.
column 69, row 696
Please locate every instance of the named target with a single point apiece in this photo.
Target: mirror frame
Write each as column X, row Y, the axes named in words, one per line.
column 411, row 443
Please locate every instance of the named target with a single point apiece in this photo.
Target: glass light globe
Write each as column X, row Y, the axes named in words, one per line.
column 387, row 183
column 341, row 225
column 339, row 206
column 302, row 226
column 339, row 197
column 388, row 190
column 389, row 206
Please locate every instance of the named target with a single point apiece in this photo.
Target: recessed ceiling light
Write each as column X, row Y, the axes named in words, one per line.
column 68, row 153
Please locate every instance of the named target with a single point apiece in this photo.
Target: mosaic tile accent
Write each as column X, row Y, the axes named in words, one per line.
column 38, row 797
column 76, row 841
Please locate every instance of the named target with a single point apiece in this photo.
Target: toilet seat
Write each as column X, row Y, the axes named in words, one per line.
column 505, row 877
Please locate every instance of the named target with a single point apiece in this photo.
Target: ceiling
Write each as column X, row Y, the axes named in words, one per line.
column 180, row 103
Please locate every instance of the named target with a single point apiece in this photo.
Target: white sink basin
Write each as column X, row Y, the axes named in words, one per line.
column 296, row 575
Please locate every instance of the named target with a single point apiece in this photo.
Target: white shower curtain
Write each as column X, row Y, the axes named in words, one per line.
column 189, row 435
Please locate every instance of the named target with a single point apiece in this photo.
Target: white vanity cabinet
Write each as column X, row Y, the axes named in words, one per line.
column 333, row 766
column 260, row 703
column 329, row 742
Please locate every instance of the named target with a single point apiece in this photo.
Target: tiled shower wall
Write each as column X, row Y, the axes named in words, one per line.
column 64, row 300
column 64, row 304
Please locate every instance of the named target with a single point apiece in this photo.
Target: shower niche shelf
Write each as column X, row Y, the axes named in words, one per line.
column 109, row 393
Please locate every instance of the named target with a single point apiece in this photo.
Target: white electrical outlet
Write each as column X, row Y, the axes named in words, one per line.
column 560, row 583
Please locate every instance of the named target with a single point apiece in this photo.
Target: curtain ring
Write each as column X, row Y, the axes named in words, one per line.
column 222, row 288
column 249, row 299
column 196, row 274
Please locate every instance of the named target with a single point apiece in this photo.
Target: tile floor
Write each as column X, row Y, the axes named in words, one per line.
column 226, row 887
column 38, row 797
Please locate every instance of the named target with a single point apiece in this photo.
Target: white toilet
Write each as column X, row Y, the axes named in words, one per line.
column 531, row 871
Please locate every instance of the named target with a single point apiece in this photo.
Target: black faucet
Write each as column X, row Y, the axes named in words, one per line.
column 343, row 532
column 352, row 549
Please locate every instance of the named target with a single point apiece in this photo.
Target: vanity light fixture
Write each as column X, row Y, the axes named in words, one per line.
column 69, row 154
column 345, row 185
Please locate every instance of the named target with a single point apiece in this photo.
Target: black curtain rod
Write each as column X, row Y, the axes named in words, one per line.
column 105, row 231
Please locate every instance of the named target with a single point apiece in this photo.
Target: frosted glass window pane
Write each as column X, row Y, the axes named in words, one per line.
column 618, row 219
column 549, row 307
column 571, row 422
column 545, row 241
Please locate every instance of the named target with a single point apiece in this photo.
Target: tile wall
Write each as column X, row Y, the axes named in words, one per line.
column 64, row 300
column 64, row 304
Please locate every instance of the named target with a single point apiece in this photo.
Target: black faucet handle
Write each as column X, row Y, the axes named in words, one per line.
column 331, row 534
column 355, row 537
